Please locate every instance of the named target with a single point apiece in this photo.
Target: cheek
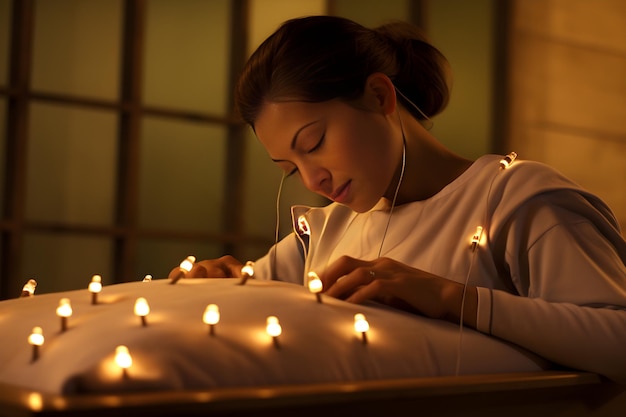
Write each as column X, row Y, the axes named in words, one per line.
column 371, row 145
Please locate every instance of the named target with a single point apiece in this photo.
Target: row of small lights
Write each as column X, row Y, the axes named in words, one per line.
column 210, row 317
column 211, row 314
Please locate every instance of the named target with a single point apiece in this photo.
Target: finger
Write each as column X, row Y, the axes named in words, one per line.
column 350, row 283
column 376, row 289
column 232, row 266
column 209, row 269
column 198, row 271
column 226, row 267
column 340, row 268
column 174, row 273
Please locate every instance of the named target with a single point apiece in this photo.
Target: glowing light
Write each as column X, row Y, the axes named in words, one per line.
column 123, row 359
column 187, row 263
column 36, row 339
column 246, row 272
column 35, row 401
column 211, row 317
column 303, row 226
column 507, row 160
column 95, row 286
column 147, row 278
column 315, row 285
column 211, row 314
column 361, row 326
column 476, row 237
column 185, row 266
column 64, row 310
column 274, row 329
column 142, row 309
column 29, row 288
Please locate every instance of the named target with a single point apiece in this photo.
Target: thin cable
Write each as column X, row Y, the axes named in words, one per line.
column 427, row 122
column 277, row 230
column 459, row 346
column 395, row 195
column 469, row 271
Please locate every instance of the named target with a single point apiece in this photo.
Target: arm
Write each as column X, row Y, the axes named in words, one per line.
column 570, row 278
column 573, row 285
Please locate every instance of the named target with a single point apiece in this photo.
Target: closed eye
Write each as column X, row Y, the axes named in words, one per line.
column 318, row 144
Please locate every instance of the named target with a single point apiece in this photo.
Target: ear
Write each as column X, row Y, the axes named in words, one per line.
column 380, row 93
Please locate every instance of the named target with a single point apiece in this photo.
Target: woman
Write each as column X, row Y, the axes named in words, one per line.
column 512, row 249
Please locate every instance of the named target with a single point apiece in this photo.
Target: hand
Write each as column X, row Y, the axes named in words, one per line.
column 224, row 267
column 401, row 286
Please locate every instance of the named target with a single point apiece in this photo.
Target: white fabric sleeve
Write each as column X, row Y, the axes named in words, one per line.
column 572, row 282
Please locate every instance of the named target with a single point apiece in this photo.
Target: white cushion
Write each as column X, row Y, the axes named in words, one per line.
column 175, row 350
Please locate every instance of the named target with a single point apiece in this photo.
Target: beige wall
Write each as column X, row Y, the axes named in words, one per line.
column 568, row 91
column 464, row 32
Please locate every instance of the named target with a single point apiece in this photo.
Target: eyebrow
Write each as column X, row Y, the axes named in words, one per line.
column 294, row 140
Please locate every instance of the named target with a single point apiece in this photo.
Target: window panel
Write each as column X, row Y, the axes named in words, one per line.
column 186, row 54
column 5, row 37
column 64, row 262
column 76, row 47
column 181, row 175
column 71, row 165
column 158, row 257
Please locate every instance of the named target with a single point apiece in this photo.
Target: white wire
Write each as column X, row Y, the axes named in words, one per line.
column 467, row 278
column 277, row 229
column 395, row 195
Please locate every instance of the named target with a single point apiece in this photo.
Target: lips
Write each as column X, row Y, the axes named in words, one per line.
column 341, row 193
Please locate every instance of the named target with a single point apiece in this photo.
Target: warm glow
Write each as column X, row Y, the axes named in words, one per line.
column 147, row 278
column 477, row 236
column 303, row 226
column 142, row 308
column 508, row 160
column 122, row 357
column 315, row 283
column 95, row 286
column 65, row 308
column 360, row 324
column 187, row 264
column 35, row 401
column 36, row 337
column 248, row 269
column 30, row 286
column 211, row 314
column 273, row 326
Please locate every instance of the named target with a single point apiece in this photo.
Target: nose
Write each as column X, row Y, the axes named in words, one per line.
column 315, row 178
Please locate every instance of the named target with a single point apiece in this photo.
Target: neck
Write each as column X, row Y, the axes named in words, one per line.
column 430, row 166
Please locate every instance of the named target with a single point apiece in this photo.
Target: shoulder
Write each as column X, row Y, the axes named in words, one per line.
column 533, row 185
column 525, row 180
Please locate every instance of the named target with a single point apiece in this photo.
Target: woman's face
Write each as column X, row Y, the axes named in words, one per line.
column 346, row 154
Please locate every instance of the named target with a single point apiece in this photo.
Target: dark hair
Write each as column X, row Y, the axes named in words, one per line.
column 319, row 58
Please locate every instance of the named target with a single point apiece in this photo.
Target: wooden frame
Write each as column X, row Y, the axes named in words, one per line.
column 125, row 231
column 538, row 394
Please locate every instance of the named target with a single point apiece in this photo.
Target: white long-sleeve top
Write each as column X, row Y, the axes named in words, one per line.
column 550, row 267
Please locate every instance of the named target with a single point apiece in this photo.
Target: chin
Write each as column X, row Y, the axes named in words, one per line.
column 361, row 207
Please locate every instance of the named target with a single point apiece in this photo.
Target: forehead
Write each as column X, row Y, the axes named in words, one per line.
column 288, row 116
